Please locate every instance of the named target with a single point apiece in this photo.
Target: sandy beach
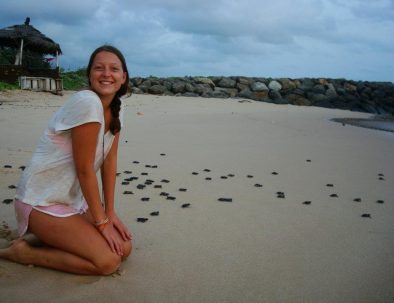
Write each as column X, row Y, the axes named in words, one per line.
column 307, row 214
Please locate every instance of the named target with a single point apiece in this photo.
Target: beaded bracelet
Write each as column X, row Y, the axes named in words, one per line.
column 101, row 225
column 104, row 221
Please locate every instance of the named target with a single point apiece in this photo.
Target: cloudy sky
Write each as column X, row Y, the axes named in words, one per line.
column 350, row 39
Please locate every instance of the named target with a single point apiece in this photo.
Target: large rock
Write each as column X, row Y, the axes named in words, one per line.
column 275, row 85
column 261, row 95
column 287, row 84
column 259, row 87
column 227, row 83
column 203, row 89
column 178, row 87
column 203, row 80
column 230, row 92
column 318, row 89
column 157, row 89
column 298, row 100
column 245, row 93
column 242, row 86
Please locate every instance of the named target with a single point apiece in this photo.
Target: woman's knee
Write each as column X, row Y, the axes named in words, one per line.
column 127, row 247
column 108, row 265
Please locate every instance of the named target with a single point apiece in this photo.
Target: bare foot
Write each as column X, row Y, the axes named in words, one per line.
column 17, row 252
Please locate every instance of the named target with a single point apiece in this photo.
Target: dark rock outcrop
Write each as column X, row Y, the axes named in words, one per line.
column 364, row 96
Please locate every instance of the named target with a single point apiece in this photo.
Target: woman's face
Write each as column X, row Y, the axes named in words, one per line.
column 106, row 75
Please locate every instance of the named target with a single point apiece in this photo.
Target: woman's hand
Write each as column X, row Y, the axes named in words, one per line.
column 120, row 227
column 109, row 234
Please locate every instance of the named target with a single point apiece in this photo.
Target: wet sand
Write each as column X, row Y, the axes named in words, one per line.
column 271, row 203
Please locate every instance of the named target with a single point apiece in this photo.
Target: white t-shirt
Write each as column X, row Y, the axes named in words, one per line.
column 51, row 177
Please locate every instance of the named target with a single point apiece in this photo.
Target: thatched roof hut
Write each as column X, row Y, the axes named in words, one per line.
column 30, row 38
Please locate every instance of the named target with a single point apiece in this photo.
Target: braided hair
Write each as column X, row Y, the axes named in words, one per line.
column 116, row 103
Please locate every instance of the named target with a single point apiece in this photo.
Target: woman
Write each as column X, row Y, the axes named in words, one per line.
column 58, row 197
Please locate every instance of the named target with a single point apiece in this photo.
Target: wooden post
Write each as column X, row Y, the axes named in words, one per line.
column 57, row 59
column 20, row 53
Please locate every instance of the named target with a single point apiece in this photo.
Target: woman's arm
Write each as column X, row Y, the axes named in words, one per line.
column 84, row 143
column 108, row 176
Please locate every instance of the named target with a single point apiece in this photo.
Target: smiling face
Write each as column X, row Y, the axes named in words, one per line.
column 106, row 75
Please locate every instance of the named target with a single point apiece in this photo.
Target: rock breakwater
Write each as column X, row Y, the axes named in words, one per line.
column 363, row 96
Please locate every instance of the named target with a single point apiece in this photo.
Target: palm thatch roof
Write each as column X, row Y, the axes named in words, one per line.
column 33, row 39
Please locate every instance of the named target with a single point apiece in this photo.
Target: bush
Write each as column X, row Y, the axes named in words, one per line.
column 6, row 86
column 74, row 80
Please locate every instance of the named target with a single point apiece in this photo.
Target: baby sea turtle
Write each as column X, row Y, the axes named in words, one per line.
column 231, row 175
column 225, row 199
column 154, row 166
column 380, row 201
column 127, row 172
column 208, row 178
column 157, row 186
column 125, row 183
column 171, row 198
column 165, row 181
column 8, row 201
column 249, row 176
column 274, row 173
column 136, row 162
column 144, row 174
column 7, row 166
column 142, row 220
column 183, row 189
column 207, row 170
column 308, row 160
column 334, row 196
column 195, row 173
column 148, row 166
column 223, row 177
column 330, row 185
column 162, row 154
column 141, row 186
column 12, row 186
column 306, row 202
column 22, row 167
column 280, row 195
column 186, row 205
column 145, row 199
column 128, row 192
column 366, row 215
column 357, row 199
column 155, row 213
column 164, row 194
column 258, row 185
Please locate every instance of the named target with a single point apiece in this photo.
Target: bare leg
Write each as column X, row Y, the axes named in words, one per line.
column 74, row 245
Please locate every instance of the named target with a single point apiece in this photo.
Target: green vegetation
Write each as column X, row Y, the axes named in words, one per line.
column 6, row 86
column 74, row 80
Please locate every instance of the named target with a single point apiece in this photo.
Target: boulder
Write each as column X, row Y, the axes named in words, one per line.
column 203, row 89
column 157, row 89
column 230, row 92
column 178, row 87
column 298, row 100
column 259, row 87
column 277, row 97
column 245, row 81
column 137, row 90
column 261, row 95
column 350, row 87
column 227, row 83
column 202, row 80
column 245, row 93
column 287, row 84
column 319, row 89
column 275, row 85
column 189, row 87
column 307, row 84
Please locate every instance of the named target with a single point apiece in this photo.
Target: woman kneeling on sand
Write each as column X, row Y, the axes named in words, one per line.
column 58, row 198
